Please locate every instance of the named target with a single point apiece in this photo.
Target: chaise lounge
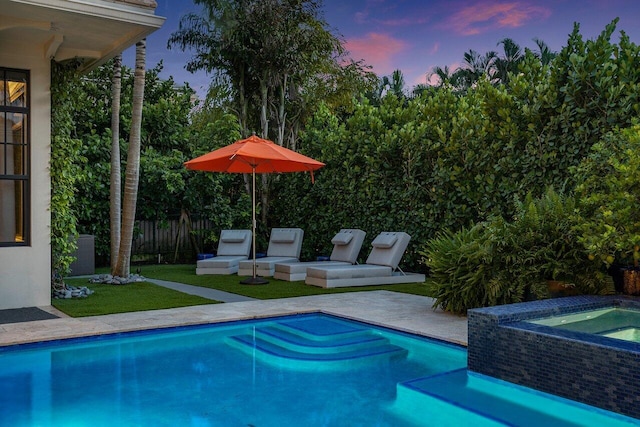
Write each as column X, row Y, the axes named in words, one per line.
column 346, row 247
column 234, row 246
column 381, row 267
column 284, row 246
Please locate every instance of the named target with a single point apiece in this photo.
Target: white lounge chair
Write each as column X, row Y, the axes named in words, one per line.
column 346, row 247
column 381, row 267
column 284, row 246
column 234, row 246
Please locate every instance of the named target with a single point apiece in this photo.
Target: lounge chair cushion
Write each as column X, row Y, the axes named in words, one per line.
column 224, row 261
column 285, row 242
column 332, row 272
column 234, row 242
column 283, row 236
column 384, row 240
column 347, row 252
column 233, row 236
column 386, row 253
column 342, row 238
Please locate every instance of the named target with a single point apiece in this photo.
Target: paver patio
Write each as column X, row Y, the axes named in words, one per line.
column 405, row 312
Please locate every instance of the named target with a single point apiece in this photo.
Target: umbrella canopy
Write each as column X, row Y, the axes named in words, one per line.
column 254, row 155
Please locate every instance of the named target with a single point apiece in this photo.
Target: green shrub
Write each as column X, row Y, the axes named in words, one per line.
column 463, row 267
column 609, row 194
column 500, row 262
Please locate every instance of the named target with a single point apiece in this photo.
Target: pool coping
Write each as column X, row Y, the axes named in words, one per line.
column 405, row 312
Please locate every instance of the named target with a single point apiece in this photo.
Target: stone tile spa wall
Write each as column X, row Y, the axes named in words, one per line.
column 588, row 368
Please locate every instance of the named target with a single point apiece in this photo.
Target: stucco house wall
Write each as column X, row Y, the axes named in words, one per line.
column 32, row 33
column 25, row 271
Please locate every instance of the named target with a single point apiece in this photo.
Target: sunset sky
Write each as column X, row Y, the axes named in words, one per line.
column 416, row 35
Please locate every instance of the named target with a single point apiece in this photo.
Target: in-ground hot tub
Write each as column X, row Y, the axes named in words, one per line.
column 556, row 346
column 613, row 322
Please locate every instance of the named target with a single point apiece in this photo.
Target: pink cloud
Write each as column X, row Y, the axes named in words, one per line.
column 377, row 49
column 483, row 16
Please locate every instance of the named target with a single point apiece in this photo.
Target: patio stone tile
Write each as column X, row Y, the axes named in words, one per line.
column 409, row 313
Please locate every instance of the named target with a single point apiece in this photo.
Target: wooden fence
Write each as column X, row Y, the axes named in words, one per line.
column 171, row 241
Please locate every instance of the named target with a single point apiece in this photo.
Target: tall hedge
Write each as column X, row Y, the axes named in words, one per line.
column 446, row 161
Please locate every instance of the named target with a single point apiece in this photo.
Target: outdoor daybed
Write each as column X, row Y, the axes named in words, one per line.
column 234, row 246
column 381, row 267
column 346, row 247
column 284, row 246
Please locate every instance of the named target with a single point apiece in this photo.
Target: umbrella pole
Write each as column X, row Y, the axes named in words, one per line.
column 255, row 280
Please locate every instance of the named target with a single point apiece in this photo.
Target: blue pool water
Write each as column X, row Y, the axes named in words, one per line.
column 307, row 370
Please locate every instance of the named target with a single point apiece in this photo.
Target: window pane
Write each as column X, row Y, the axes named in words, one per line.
column 18, row 160
column 20, row 214
column 14, row 152
column 16, row 89
column 18, row 135
column 12, row 211
column 18, row 123
column 3, row 147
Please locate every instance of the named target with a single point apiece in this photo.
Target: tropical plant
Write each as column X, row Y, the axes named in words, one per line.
column 443, row 74
column 544, row 52
column 461, row 265
column 393, row 84
column 508, row 62
column 609, row 195
column 543, row 235
column 498, row 261
column 272, row 54
column 475, row 67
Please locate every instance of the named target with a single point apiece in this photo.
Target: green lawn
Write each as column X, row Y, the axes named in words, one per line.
column 109, row 299
column 274, row 289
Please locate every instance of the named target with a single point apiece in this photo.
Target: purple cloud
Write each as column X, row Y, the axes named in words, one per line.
column 481, row 17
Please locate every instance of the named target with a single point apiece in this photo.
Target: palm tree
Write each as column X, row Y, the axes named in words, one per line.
column 132, row 174
column 544, row 53
column 115, row 200
column 397, row 84
column 509, row 62
column 388, row 84
column 444, row 75
column 475, row 67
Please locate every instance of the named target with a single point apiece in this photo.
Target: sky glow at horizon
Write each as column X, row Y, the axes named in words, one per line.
column 414, row 36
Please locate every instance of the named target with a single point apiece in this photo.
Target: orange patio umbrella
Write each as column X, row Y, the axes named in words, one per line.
column 254, row 155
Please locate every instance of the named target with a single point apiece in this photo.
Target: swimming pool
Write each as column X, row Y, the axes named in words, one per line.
column 311, row 370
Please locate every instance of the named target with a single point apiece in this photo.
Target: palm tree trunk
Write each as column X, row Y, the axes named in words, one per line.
column 133, row 165
column 115, row 199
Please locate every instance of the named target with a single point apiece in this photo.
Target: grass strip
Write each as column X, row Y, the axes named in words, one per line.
column 110, row 299
column 186, row 273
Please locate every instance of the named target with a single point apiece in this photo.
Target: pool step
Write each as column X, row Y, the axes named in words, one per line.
column 308, row 341
column 294, row 341
column 494, row 402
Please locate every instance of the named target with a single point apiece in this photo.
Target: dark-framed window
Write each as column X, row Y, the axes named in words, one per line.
column 14, row 158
